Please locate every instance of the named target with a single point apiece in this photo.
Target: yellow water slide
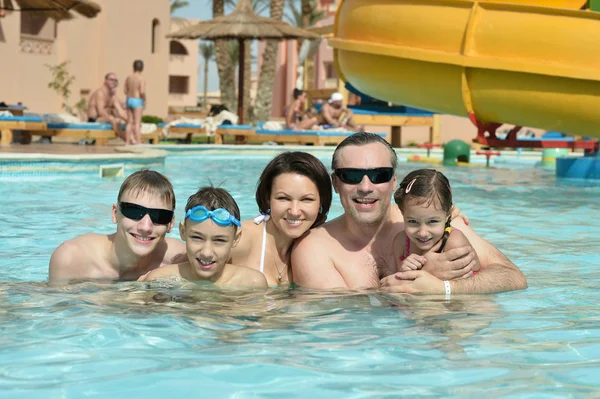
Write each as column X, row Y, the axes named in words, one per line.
column 532, row 63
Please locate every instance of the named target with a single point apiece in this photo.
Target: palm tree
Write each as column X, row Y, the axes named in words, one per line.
column 224, row 66
column 304, row 16
column 207, row 51
column 262, row 107
column 177, row 4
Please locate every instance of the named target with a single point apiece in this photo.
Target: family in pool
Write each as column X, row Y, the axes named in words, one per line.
column 417, row 245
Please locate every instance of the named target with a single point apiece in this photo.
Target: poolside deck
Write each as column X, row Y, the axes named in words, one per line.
column 60, row 149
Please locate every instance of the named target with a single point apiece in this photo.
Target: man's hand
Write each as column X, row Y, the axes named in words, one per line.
column 456, row 214
column 452, row 264
column 412, row 262
column 414, row 281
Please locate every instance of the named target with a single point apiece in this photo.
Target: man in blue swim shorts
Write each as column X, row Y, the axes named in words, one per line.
column 135, row 91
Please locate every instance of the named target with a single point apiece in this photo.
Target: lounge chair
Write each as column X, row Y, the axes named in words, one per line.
column 236, row 130
column 397, row 117
column 28, row 123
column 314, row 137
column 189, row 129
column 101, row 132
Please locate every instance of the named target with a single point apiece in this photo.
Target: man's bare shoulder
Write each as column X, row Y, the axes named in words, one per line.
column 173, row 271
column 74, row 258
column 322, row 235
column 83, row 245
column 176, row 252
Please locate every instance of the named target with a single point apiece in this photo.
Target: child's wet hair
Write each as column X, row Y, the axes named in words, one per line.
column 150, row 182
column 214, row 198
column 425, row 187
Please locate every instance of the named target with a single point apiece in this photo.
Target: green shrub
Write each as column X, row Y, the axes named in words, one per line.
column 151, row 119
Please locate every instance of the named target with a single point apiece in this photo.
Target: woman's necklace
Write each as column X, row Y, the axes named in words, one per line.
column 279, row 272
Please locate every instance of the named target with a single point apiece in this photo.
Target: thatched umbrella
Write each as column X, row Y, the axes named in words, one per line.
column 242, row 24
column 55, row 9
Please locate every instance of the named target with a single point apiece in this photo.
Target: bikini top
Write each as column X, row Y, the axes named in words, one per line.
column 262, row 218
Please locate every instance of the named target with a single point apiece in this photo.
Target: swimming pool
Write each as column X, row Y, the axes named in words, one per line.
column 100, row 340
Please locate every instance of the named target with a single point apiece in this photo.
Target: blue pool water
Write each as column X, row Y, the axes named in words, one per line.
column 93, row 340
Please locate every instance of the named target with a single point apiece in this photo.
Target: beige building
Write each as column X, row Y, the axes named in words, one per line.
column 183, row 67
column 123, row 32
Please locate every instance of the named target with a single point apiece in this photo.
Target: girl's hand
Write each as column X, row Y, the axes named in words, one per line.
column 412, row 262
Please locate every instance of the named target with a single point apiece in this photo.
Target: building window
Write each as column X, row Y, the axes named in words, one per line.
column 330, row 72
column 37, row 34
column 155, row 35
column 179, row 84
column 176, row 48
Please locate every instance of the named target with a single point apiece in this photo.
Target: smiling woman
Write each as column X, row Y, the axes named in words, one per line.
column 293, row 195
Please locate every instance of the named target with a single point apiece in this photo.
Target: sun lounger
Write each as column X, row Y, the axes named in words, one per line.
column 397, row 117
column 314, row 137
column 101, row 132
column 237, row 130
column 27, row 123
column 189, row 129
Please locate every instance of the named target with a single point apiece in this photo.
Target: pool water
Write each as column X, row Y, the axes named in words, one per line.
column 160, row 341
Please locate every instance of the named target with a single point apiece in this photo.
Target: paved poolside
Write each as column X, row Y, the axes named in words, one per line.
column 60, row 149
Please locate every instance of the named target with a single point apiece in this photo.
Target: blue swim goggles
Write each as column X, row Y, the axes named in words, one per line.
column 220, row 216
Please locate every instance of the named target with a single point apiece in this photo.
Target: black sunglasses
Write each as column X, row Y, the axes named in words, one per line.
column 137, row 212
column 355, row 176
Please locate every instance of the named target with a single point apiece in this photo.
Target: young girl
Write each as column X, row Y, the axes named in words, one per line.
column 425, row 200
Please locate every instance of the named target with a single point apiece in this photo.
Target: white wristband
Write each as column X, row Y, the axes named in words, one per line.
column 448, row 289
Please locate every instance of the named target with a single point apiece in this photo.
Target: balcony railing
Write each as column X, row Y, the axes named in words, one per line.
column 35, row 45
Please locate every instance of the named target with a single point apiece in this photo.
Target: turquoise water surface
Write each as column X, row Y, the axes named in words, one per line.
column 132, row 340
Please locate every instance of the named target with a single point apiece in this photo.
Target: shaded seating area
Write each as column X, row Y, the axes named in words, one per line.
column 371, row 111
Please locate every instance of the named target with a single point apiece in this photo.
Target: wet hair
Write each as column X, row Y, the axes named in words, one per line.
column 360, row 139
column 148, row 181
column 301, row 163
column 138, row 65
column 426, row 187
column 214, row 198
column 297, row 93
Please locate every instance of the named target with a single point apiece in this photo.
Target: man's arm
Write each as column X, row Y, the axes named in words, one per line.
column 494, row 278
column 289, row 117
column 497, row 272
column 312, row 267
column 101, row 107
column 119, row 111
column 326, row 112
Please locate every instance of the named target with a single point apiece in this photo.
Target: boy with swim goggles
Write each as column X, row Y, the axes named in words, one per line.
column 210, row 229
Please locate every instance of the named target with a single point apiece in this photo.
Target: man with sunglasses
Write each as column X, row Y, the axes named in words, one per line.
column 144, row 214
column 355, row 250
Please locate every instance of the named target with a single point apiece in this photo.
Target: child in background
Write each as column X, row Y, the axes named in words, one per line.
column 211, row 228
column 425, row 200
